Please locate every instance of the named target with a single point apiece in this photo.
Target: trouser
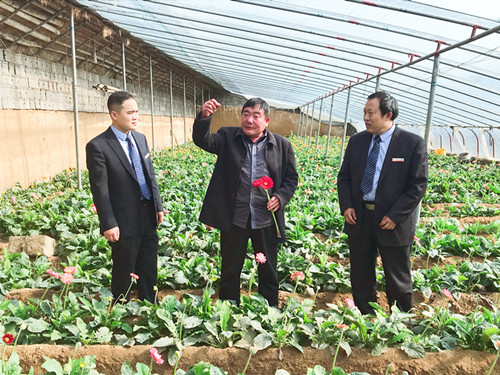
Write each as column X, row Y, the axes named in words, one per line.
column 396, row 263
column 233, row 251
column 137, row 255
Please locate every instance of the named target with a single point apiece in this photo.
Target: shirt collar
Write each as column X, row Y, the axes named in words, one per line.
column 119, row 134
column 387, row 135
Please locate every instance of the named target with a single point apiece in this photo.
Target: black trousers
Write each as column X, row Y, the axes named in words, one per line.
column 396, row 262
column 137, row 255
column 233, row 251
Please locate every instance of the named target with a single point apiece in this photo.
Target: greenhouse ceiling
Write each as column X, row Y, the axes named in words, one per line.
column 298, row 51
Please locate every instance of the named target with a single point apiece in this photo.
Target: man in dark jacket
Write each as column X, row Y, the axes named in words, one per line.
column 127, row 197
column 382, row 179
column 238, row 208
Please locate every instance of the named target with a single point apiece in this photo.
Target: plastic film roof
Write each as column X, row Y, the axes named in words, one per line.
column 297, row 51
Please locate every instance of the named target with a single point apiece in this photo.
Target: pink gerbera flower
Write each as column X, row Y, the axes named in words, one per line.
column 260, row 258
column 153, row 352
column 70, row 269
column 67, row 278
column 297, row 276
column 447, row 293
column 134, row 276
column 52, row 273
column 350, row 303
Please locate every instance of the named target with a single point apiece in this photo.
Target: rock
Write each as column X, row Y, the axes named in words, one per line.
column 32, row 245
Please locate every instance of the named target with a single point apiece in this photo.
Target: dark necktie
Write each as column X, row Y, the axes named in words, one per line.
column 136, row 163
column 371, row 163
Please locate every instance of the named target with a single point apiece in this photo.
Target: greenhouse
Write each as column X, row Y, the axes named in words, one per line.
column 294, row 79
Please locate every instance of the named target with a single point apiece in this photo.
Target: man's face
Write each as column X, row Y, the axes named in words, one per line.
column 254, row 122
column 374, row 121
column 126, row 119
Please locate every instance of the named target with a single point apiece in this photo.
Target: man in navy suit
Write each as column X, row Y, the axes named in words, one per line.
column 381, row 181
column 127, row 198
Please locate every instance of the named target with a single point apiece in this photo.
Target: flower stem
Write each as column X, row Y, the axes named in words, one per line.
column 274, row 217
column 430, row 321
column 337, row 351
column 248, row 362
column 494, row 363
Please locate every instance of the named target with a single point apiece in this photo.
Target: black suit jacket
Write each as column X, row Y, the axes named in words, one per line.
column 227, row 144
column 401, row 186
column 114, row 185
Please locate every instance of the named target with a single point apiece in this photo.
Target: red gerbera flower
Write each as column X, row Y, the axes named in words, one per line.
column 267, row 182
column 8, row 338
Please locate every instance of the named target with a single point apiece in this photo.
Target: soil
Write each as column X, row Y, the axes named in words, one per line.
column 110, row 358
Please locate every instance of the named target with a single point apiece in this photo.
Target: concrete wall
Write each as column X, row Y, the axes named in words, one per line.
column 36, row 116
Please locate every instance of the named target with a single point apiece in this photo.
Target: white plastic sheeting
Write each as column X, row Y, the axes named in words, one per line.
column 296, row 51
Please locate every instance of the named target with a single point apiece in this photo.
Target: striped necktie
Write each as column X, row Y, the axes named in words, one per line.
column 137, row 165
column 371, row 163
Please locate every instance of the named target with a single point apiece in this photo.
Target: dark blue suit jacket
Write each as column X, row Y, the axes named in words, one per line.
column 401, row 186
column 114, row 185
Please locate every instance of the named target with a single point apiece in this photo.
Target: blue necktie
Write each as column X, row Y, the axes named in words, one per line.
column 371, row 163
column 136, row 163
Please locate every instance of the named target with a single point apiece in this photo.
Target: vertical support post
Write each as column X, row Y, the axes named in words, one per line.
column 171, row 109
column 312, row 123
column 304, row 130
column 432, row 95
column 329, row 128
column 377, row 83
column 124, row 71
column 184, row 108
column 194, row 98
column 345, row 125
column 75, row 102
column 319, row 123
column 152, row 103
column 202, row 95
column 301, row 122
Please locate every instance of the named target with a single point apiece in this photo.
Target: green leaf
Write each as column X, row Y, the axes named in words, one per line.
column 127, row 369
column 262, row 341
column 103, row 335
column 164, row 342
column 37, row 325
column 52, row 366
column 413, row 349
column 142, row 369
column 192, row 322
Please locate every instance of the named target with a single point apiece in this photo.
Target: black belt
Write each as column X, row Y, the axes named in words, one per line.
column 369, row 205
column 146, row 202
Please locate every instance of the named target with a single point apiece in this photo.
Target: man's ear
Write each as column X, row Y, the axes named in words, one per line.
column 389, row 115
column 267, row 120
column 113, row 115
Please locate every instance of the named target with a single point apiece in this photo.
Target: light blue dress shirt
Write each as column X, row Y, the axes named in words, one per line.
column 385, row 139
column 122, row 138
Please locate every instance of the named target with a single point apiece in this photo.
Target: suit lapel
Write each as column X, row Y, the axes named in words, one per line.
column 117, row 148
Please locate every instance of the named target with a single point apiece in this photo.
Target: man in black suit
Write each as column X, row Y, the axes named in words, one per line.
column 234, row 205
column 381, row 181
column 127, row 197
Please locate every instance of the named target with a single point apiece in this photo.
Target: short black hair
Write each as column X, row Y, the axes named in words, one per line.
column 387, row 103
column 250, row 103
column 116, row 100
